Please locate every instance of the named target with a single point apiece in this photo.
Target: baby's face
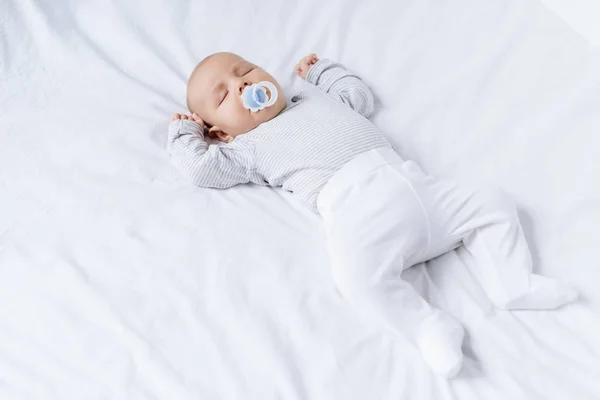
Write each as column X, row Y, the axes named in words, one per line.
column 214, row 94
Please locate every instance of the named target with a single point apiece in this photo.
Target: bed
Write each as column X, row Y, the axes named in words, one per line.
column 120, row 280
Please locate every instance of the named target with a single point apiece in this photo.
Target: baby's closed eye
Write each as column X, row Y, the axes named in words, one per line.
column 223, row 96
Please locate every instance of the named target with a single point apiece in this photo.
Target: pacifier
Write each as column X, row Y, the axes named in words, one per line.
column 255, row 96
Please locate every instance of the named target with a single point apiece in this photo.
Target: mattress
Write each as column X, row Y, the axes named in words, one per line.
column 120, row 280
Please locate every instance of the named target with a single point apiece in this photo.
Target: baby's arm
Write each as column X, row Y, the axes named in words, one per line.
column 204, row 165
column 337, row 82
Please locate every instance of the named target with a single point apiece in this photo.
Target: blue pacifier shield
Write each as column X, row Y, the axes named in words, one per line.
column 255, row 97
column 248, row 97
column 260, row 95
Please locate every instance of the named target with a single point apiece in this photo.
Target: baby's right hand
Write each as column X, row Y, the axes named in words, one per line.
column 194, row 117
column 304, row 65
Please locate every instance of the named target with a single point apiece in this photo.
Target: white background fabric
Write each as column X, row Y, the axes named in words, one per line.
column 119, row 280
column 581, row 15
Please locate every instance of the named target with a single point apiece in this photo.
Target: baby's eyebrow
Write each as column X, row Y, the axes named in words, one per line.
column 236, row 67
column 240, row 65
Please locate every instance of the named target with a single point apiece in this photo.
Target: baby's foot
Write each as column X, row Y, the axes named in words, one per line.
column 440, row 340
column 545, row 294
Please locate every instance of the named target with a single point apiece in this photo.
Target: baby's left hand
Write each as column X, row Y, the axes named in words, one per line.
column 194, row 117
column 304, row 65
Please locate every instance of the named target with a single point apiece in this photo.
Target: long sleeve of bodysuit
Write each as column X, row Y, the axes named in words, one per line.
column 215, row 166
column 342, row 85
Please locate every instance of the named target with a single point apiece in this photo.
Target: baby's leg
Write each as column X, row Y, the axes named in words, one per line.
column 374, row 231
column 489, row 227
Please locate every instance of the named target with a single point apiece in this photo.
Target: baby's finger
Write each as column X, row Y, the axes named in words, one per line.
column 197, row 119
column 184, row 116
column 175, row 116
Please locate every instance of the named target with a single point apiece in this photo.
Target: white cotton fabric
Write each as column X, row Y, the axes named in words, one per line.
column 121, row 280
column 383, row 214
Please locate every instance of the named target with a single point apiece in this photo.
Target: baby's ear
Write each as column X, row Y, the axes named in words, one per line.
column 216, row 133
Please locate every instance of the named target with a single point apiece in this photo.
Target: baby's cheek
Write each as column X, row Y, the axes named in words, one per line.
column 241, row 121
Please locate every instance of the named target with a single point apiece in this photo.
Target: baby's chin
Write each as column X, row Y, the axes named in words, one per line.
column 278, row 107
column 269, row 113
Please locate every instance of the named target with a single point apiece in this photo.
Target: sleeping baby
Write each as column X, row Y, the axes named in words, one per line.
column 381, row 213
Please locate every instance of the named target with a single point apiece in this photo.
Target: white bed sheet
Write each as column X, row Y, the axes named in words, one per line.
column 581, row 15
column 119, row 280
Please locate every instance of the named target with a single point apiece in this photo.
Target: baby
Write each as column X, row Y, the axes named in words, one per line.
column 382, row 214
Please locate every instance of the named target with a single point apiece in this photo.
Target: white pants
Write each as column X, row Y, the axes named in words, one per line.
column 383, row 215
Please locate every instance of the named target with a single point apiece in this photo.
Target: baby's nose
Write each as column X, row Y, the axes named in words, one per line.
column 242, row 85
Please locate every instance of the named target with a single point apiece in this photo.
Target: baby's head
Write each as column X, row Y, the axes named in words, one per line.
column 214, row 94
